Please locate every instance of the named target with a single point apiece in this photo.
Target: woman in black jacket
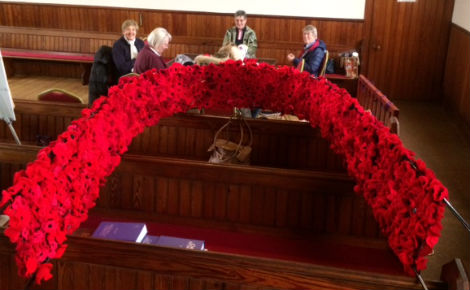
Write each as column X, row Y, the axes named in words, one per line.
column 126, row 48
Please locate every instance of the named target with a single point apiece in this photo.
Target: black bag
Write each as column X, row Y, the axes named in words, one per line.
column 103, row 74
column 330, row 66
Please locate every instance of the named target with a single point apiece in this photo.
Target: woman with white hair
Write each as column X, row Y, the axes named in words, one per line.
column 152, row 54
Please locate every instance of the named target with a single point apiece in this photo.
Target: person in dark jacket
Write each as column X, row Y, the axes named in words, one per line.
column 126, row 48
column 103, row 74
column 152, row 54
column 312, row 56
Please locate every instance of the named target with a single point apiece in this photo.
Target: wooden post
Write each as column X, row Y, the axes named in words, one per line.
column 455, row 275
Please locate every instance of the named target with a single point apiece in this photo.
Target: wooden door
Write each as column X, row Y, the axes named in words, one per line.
column 405, row 46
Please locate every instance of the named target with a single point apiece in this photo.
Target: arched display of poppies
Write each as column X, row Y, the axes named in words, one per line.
column 52, row 196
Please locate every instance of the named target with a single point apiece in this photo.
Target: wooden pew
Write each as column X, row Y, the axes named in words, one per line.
column 99, row 264
column 165, row 189
column 85, row 60
column 282, row 144
column 285, row 223
column 35, row 118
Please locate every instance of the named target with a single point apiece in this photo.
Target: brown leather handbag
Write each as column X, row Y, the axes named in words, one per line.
column 225, row 151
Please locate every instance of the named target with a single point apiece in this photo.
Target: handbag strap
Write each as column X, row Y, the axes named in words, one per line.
column 237, row 113
column 250, row 142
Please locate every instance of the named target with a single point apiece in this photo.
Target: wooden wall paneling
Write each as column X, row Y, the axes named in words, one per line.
column 97, row 280
column 330, row 217
column 102, row 277
column 370, row 228
column 188, row 28
column 211, row 284
column 403, row 58
column 319, row 212
column 138, row 192
column 271, row 204
column 114, row 185
column 220, row 200
column 293, row 209
column 173, row 196
column 257, row 205
column 185, row 198
column 180, row 141
column 457, row 74
column 345, row 209
column 7, row 172
column 233, row 200
column 197, row 198
column 71, row 274
column 23, row 124
column 245, row 200
column 5, row 268
column 282, row 196
column 209, row 192
column 163, row 134
column 126, row 197
column 306, row 213
column 161, row 200
column 358, row 216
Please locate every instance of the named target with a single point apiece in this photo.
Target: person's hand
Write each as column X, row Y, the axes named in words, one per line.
column 290, row 57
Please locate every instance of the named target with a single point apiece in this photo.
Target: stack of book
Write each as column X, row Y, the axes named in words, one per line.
column 137, row 232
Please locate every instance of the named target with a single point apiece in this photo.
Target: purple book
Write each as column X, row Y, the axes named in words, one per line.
column 151, row 240
column 122, row 231
column 192, row 244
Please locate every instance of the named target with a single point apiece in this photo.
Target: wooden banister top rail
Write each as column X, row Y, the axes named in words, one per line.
column 380, row 96
column 47, row 55
column 371, row 98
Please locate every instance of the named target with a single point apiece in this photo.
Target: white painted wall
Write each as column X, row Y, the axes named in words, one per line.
column 461, row 15
column 349, row 9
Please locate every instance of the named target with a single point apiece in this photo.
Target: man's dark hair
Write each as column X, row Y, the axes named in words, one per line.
column 240, row 13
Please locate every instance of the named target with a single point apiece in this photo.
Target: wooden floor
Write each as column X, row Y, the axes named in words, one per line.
column 28, row 87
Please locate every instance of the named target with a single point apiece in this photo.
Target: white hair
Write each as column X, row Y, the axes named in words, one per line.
column 157, row 36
